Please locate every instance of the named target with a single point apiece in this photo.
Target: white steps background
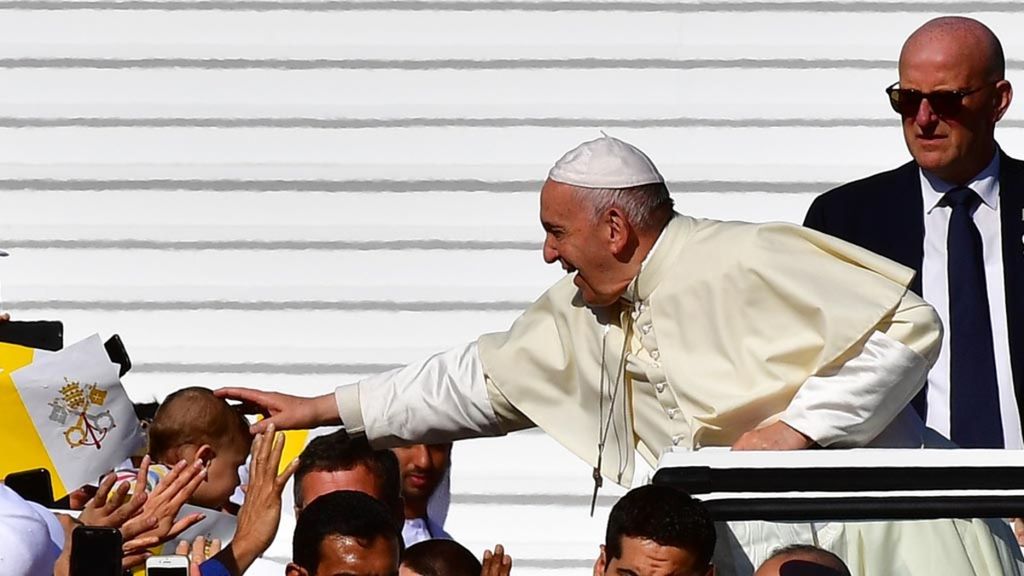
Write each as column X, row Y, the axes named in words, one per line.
column 293, row 194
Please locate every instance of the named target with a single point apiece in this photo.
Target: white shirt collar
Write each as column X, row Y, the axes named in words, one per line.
column 984, row 185
column 628, row 295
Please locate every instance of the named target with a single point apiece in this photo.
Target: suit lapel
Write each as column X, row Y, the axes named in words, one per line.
column 1011, row 211
column 906, row 233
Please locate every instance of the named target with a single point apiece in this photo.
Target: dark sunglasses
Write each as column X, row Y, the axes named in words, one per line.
column 906, row 101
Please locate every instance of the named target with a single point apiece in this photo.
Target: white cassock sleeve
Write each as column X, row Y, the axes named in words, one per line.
column 848, row 403
column 862, row 400
column 443, row 398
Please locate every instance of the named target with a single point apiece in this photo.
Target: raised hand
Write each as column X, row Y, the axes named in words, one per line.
column 496, row 563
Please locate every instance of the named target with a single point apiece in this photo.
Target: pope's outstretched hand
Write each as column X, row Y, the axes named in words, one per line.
column 284, row 411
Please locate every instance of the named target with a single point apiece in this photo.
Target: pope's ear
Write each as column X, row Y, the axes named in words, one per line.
column 618, row 227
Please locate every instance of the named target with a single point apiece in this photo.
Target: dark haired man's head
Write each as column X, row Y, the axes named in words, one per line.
column 345, row 532
column 439, row 558
column 656, row 531
column 193, row 424
column 340, row 462
column 803, row 560
column 423, row 467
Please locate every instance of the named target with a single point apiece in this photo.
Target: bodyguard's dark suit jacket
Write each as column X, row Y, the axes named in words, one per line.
column 885, row 214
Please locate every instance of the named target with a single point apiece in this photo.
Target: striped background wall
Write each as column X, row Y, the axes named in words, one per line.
column 292, row 194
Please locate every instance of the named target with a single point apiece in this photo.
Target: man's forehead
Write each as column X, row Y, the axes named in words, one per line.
column 359, row 478
column 347, row 555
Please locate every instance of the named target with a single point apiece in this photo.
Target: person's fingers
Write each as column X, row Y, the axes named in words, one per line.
column 215, row 546
column 131, row 561
column 120, row 495
column 139, row 544
column 247, row 396
column 129, row 510
column 276, row 451
column 199, row 549
column 142, row 476
column 138, row 525
column 283, row 477
column 184, row 524
column 165, row 483
column 506, row 566
column 182, row 548
column 195, row 478
column 99, row 500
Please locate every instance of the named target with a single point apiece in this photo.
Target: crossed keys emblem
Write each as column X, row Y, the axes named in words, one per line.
column 90, row 427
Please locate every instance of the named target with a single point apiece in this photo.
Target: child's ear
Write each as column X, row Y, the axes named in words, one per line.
column 206, row 453
column 295, row 570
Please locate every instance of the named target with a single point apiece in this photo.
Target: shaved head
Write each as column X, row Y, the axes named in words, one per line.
column 961, row 39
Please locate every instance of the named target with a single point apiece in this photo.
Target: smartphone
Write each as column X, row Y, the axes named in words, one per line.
column 43, row 334
column 95, row 551
column 32, row 485
column 167, row 566
column 117, row 354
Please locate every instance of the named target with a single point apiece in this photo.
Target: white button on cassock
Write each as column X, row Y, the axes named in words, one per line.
column 660, row 387
column 646, row 328
column 677, row 439
column 672, row 413
column 655, row 354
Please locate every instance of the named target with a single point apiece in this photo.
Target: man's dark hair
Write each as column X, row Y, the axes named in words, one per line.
column 441, row 558
column 811, row 555
column 345, row 513
column 339, row 451
column 664, row 515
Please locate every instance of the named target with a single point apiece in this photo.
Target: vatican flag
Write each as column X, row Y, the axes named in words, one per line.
column 64, row 411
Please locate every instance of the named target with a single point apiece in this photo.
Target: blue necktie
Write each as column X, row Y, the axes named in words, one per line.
column 975, row 420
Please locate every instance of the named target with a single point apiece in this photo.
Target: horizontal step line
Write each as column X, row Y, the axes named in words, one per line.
column 426, row 122
column 271, row 305
column 534, row 499
column 380, row 185
column 291, row 368
column 296, row 245
column 555, row 6
column 454, row 63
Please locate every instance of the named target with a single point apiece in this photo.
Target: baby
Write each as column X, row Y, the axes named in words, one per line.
column 193, row 424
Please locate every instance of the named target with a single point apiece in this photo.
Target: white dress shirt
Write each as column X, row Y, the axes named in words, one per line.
column 935, row 290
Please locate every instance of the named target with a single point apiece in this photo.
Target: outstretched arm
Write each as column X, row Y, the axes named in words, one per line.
column 442, row 398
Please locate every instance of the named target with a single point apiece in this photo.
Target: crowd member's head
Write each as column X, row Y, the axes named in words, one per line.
column 602, row 207
column 340, row 462
column 345, row 532
column 957, row 65
column 439, row 558
column 803, row 560
column 193, row 424
column 656, row 531
column 423, row 467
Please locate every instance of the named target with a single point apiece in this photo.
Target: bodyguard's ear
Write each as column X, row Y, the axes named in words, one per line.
column 294, row 569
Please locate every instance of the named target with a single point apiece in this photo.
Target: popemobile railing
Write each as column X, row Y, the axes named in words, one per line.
column 856, row 484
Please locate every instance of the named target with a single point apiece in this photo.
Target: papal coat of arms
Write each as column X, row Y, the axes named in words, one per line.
column 81, row 405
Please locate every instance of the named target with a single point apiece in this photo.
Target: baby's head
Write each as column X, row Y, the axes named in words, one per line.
column 193, row 423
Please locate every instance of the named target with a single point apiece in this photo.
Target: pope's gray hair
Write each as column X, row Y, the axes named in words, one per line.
column 641, row 204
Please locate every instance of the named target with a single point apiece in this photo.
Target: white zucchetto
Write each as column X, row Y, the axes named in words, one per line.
column 605, row 163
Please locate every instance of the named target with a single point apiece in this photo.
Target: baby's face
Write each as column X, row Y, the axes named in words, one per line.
column 221, row 478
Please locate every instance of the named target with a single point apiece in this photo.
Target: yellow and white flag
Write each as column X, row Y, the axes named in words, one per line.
column 64, row 411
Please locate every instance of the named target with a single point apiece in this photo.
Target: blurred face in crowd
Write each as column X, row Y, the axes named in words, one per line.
column 348, row 556
column 582, row 245
column 320, row 482
column 953, row 55
column 422, row 467
column 642, row 557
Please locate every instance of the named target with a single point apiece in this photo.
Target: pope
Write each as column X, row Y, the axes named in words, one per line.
column 667, row 331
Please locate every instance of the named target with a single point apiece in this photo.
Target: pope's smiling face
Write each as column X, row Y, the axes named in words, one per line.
column 580, row 244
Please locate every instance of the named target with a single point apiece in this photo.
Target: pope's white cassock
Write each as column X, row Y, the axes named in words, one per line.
column 728, row 326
